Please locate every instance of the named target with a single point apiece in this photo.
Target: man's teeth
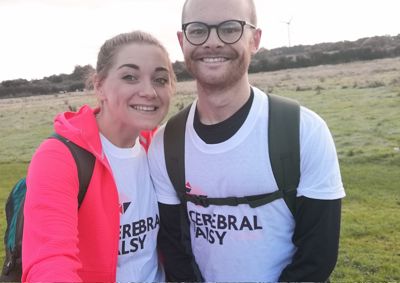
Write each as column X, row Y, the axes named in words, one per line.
column 214, row 60
column 144, row 108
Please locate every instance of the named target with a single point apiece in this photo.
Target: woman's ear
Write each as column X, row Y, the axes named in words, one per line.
column 98, row 87
column 96, row 82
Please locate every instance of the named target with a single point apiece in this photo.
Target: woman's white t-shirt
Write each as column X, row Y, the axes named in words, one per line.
column 139, row 217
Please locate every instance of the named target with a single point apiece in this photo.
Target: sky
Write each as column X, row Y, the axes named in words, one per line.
column 45, row 37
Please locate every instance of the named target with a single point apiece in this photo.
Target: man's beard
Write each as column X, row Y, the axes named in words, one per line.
column 238, row 67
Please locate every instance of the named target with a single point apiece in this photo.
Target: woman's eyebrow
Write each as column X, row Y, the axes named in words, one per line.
column 136, row 67
column 133, row 66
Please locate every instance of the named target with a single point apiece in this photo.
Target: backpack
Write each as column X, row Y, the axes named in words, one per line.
column 12, row 266
column 284, row 152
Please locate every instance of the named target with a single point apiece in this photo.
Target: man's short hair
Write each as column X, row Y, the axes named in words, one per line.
column 252, row 8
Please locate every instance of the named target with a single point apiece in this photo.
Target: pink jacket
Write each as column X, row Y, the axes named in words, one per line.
column 61, row 243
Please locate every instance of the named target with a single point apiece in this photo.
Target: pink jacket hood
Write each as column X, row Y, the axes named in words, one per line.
column 81, row 128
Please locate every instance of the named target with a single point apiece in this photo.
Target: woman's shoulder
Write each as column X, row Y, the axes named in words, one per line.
column 51, row 146
column 51, row 157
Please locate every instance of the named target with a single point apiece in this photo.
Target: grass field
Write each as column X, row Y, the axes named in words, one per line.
column 359, row 101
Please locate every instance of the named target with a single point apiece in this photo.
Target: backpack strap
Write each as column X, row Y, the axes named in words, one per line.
column 84, row 162
column 284, row 152
column 284, row 145
column 253, row 201
column 174, row 151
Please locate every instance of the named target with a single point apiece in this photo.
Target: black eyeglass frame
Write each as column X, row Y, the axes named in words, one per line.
column 209, row 27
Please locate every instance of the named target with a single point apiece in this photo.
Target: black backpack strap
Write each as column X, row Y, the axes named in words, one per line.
column 174, row 152
column 284, row 151
column 284, row 145
column 84, row 162
column 253, row 201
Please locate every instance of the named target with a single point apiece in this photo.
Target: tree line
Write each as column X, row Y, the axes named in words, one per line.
column 76, row 81
column 300, row 56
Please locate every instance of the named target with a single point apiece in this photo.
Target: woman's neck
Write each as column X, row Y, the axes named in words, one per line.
column 118, row 134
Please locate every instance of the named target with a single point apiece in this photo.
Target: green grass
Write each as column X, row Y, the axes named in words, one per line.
column 370, row 233
column 359, row 101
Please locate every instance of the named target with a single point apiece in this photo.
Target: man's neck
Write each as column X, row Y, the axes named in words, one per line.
column 216, row 104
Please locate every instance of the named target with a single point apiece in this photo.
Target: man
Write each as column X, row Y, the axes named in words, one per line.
column 227, row 155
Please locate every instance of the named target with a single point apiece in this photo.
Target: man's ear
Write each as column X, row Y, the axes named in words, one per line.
column 256, row 40
column 180, row 36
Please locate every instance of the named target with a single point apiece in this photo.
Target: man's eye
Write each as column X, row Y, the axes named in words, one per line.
column 229, row 30
column 198, row 31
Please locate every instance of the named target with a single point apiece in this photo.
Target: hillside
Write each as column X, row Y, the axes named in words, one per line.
column 368, row 48
column 264, row 61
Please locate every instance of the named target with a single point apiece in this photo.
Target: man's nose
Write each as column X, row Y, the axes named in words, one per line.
column 213, row 38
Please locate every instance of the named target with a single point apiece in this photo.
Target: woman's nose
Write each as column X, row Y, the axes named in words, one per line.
column 148, row 90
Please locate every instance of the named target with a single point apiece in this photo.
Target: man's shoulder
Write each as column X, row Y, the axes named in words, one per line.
column 310, row 119
column 157, row 141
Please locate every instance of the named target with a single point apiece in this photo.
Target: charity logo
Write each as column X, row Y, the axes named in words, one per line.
column 123, row 207
column 124, row 203
column 188, row 187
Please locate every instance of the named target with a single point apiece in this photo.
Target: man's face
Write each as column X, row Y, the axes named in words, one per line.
column 215, row 63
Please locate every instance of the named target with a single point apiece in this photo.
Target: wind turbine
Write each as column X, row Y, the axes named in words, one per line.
column 288, row 29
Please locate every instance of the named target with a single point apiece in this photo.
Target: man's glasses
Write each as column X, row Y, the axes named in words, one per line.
column 229, row 32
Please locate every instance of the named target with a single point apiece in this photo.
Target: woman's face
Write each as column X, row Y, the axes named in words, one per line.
column 137, row 90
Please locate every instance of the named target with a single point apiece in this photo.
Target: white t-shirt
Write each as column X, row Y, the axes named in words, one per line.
column 139, row 217
column 243, row 243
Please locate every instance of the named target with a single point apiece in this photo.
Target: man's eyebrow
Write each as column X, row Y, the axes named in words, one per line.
column 133, row 66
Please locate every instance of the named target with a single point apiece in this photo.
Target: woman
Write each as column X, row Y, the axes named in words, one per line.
column 112, row 236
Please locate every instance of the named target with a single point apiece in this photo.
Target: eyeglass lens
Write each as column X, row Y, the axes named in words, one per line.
column 229, row 32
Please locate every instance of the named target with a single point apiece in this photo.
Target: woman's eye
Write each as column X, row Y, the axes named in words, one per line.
column 161, row 81
column 129, row 78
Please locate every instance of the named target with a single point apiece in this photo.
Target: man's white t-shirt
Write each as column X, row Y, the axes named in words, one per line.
column 139, row 217
column 243, row 243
